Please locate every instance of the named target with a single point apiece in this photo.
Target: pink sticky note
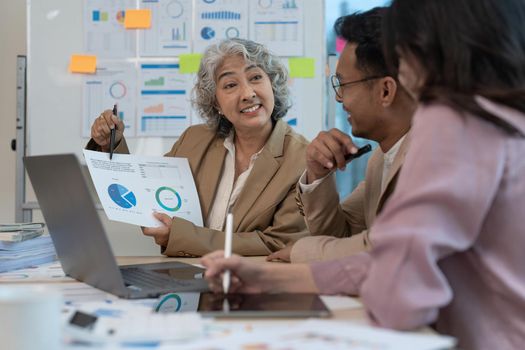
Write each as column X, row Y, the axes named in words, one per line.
column 339, row 44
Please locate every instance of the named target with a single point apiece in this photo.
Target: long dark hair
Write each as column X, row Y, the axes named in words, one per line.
column 467, row 48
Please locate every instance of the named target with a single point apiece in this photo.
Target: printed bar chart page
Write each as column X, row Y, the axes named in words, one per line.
column 131, row 188
column 278, row 24
column 164, row 100
column 104, row 32
column 170, row 32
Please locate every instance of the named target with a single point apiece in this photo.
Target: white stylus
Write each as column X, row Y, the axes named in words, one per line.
column 227, row 251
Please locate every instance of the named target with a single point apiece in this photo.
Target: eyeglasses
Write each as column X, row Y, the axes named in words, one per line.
column 337, row 85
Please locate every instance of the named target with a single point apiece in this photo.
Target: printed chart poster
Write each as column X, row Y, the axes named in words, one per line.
column 131, row 188
column 104, row 32
column 170, row 32
column 164, row 100
column 295, row 113
column 112, row 84
column 219, row 19
column 278, row 24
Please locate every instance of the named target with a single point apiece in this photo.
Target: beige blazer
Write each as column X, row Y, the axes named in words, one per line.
column 343, row 231
column 265, row 214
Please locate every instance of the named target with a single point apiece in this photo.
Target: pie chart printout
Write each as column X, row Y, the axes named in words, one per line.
column 122, row 197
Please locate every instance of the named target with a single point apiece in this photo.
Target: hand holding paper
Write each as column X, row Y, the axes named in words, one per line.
column 132, row 188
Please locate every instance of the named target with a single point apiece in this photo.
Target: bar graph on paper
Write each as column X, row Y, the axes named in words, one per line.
column 170, row 33
column 164, row 106
column 221, row 15
column 276, row 31
column 278, row 24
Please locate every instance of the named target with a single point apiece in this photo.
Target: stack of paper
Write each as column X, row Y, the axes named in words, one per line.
column 20, row 232
column 30, row 252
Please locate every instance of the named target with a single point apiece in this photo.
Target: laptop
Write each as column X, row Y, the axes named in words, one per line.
column 81, row 242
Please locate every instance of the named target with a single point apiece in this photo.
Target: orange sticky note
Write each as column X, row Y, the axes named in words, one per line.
column 83, row 64
column 137, row 19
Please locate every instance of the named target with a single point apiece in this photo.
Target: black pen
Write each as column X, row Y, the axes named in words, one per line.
column 112, row 134
column 362, row 150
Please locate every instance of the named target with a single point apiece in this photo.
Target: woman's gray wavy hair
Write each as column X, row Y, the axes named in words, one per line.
column 204, row 99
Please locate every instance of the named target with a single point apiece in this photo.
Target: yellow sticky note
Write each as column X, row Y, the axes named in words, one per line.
column 83, row 64
column 137, row 19
column 301, row 67
column 189, row 63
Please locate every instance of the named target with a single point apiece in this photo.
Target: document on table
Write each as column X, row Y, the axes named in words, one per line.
column 325, row 334
column 131, row 188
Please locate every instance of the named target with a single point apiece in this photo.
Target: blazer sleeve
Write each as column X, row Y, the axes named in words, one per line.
column 446, row 188
column 187, row 239
column 347, row 219
column 322, row 248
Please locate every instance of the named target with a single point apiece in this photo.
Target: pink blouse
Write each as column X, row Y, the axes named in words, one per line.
column 449, row 246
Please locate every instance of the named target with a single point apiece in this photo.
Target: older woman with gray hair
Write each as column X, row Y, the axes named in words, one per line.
column 245, row 159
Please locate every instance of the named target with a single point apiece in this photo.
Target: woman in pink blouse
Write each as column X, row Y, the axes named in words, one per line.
column 449, row 246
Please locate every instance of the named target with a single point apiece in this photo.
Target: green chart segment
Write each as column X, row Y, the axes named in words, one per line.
column 168, row 198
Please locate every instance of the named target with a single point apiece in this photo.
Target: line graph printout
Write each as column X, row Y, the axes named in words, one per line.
column 131, row 188
column 164, row 107
column 111, row 84
column 219, row 19
column 171, row 30
column 278, row 24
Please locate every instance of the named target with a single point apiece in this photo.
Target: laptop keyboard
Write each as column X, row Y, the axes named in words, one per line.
column 145, row 278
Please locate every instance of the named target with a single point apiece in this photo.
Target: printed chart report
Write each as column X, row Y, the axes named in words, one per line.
column 131, row 188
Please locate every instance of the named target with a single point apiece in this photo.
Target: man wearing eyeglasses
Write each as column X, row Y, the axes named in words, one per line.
column 378, row 109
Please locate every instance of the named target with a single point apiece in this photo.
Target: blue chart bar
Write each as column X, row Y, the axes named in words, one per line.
column 221, row 15
column 179, row 34
column 159, row 66
column 163, row 92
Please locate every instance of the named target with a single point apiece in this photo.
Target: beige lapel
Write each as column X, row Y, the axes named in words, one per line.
column 391, row 178
column 210, row 174
column 263, row 171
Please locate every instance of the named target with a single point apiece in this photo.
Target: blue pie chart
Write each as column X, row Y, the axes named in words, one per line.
column 207, row 33
column 122, row 197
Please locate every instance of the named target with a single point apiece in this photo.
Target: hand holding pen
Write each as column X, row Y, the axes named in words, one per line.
column 329, row 151
column 102, row 126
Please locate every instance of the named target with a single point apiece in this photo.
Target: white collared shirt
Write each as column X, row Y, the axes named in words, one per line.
column 388, row 160
column 228, row 191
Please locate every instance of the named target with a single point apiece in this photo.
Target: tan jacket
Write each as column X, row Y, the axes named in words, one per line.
column 266, row 217
column 343, row 230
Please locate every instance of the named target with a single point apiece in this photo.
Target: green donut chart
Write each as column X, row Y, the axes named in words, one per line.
column 170, row 204
column 169, row 303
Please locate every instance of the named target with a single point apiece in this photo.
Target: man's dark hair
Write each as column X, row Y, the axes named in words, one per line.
column 364, row 29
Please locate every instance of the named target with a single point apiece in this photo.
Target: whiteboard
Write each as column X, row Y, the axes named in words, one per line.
column 54, row 96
